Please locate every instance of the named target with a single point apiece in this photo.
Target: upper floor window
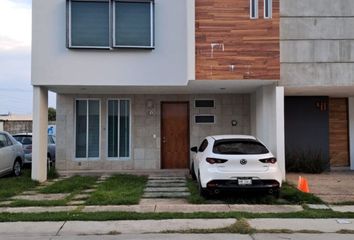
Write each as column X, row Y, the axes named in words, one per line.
column 110, row 24
column 267, row 8
column 253, row 9
column 133, row 24
column 88, row 24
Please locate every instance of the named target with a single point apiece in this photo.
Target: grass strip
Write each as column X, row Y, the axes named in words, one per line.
column 11, row 186
column 106, row 216
column 122, row 189
column 75, row 183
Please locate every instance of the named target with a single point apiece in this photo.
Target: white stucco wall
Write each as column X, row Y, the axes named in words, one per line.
column 40, row 134
column 267, row 120
column 170, row 63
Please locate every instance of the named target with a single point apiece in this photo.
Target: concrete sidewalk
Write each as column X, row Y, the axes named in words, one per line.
column 79, row 228
column 158, row 208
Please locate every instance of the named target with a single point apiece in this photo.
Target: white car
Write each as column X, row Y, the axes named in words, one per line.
column 234, row 162
column 11, row 155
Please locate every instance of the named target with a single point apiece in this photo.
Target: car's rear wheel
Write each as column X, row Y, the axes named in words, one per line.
column 192, row 172
column 17, row 168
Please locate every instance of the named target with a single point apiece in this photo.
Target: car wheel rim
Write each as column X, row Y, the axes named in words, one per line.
column 17, row 168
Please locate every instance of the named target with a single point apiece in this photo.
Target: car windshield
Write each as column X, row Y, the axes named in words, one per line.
column 25, row 140
column 239, row 146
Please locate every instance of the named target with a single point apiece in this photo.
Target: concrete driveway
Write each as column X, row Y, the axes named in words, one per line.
column 331, row 187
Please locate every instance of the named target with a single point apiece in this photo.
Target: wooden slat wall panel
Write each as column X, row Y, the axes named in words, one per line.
column 252, row 46
column 338, row 132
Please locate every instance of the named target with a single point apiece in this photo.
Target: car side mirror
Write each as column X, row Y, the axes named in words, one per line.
column 194, row 149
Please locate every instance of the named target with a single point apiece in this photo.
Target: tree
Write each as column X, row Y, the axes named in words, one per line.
column 52, row 114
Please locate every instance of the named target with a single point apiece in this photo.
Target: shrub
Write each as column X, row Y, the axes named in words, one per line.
column 306, row 161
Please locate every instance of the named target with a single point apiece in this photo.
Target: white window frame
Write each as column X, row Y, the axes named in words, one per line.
column 87, row 130
column 152, row 24
column 208, row 123
column 255, row 9
column 204, row 99
column 130, row 130
column 69, row 25
column 270, row 9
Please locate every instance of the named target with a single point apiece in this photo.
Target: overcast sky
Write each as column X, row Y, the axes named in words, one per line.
column 15, row 57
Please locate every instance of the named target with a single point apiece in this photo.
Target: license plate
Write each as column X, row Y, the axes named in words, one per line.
column 244, row 181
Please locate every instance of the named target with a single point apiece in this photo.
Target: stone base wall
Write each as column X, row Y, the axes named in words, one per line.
column 14, row 127
column 145, row 130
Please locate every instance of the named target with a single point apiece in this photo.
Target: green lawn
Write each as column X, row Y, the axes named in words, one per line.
column 70, row 185
column 11, row 186
column 288, row 195
column 105, row 216
column 118, row 190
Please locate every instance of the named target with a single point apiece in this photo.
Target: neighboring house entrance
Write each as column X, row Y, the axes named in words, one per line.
column 174, row 135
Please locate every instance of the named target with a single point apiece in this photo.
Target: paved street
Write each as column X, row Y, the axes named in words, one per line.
column 187, row 237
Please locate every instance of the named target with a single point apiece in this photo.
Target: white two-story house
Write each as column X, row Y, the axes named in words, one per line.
column 139, row 82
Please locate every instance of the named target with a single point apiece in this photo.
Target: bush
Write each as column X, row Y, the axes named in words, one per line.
column 309, row 161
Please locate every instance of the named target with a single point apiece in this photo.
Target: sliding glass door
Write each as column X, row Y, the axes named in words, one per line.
column 118, row 128
column 87, row 129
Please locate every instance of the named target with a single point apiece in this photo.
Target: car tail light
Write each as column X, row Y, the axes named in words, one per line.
column 268, row 160
column 215, row 160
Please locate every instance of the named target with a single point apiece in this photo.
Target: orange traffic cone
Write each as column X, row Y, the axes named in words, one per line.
column 303, row 185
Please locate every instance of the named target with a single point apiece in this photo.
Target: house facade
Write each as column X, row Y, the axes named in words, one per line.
column 140, row 82
column 317, row 72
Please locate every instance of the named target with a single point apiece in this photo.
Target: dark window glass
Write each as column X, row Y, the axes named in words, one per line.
column 3, row 141
column 253, row 8
column 93, row 128
column 9, row 142
column 24, row 140
column 203, row 146
column 89, row 24
column 81, row 128
column 267, row 8
column 133, row 26
column 118, row 128
column 87, row 128
column 204, row 103
column 204, row 119
column 239, row 146
column 124, row 128
column 112, row 128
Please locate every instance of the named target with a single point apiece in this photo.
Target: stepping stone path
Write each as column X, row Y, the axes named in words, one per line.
column 166, row 187
column 42, row 196
column 81, row 198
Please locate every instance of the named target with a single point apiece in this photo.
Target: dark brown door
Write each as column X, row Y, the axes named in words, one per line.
column 174, row 135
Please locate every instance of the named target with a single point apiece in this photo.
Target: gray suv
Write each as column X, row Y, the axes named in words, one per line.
column 26, row 140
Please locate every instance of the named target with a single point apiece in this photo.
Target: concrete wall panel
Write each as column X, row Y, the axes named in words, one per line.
column 302, row 51
column 317, row 74
column 316, row 28
column 291, row 8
